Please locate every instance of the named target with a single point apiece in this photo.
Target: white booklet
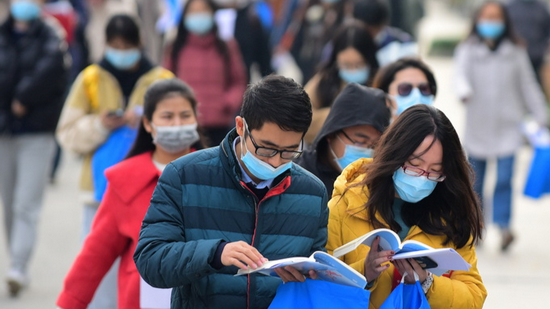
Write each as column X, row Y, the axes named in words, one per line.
column 328, row 268
column 438, row 261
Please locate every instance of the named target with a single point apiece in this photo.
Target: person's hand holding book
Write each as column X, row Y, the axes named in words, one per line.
column 376, row 261
column 291, row 274
column 410, row 266
column 241, row 254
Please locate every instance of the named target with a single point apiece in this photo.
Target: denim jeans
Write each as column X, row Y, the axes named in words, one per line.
column 502, row 192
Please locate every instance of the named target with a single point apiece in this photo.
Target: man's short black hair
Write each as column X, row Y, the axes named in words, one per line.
column 372, row 12
column 279, row 100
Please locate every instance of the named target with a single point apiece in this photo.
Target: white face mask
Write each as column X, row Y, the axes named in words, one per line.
column 175, row 139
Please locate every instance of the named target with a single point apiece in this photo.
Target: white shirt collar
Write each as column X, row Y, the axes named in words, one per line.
column 262, row 184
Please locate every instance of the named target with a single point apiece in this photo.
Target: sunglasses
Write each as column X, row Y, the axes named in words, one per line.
column 405, row 89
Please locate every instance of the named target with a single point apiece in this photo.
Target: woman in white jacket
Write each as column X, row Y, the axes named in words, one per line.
column 497, row 84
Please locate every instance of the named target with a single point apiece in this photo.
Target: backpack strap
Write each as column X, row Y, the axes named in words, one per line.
column 91, row 83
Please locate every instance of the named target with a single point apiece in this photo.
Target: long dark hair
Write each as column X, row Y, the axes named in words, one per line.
column 158, row 91
column 508, row 33
column 452, row 209
column 183, row 33
column 355, row 35
column 386, row 74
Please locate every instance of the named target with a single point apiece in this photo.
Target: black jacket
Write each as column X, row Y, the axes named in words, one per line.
column 531, row 20
column 33, row 70
column 355, row 105
column 253, row 41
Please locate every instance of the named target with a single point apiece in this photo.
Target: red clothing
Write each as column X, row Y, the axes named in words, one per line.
column 114, row 233
column 202, row 67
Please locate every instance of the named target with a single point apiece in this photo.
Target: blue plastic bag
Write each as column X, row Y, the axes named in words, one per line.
column 538, row 179
column 110, row 153
column 407, row 296
column 319, row 294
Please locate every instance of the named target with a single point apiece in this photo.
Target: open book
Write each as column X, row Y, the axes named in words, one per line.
column 328, row 268
column 438, row 261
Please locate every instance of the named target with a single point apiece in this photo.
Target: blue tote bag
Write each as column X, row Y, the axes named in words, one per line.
column 538, row 179
column 407, row 296
column 313, row 294
column 110, row 153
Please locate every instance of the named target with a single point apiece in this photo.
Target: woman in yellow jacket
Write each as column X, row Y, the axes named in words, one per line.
column 419, row 184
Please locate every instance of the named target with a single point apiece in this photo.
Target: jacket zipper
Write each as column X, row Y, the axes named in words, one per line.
column 256, row 207
column 257, row 210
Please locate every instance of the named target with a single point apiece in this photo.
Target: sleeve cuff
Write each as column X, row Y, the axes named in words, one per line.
column 217, row 261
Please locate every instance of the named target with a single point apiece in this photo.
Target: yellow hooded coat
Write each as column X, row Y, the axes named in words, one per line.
column 349, row 220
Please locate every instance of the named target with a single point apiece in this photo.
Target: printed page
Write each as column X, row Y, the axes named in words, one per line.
column 339, row 272
column 413, row 245
column 389, row 240
column 445, row 258
column 267, row 268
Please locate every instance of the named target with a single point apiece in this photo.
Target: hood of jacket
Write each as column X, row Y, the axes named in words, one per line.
column 355, row 105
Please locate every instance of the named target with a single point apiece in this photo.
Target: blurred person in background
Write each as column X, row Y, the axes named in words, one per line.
column 531, row 21
column 318, row 25
column 147, row 11
column 167, row 131
column 99, row 14
column 33, row 79
column 354, row 124
column 71, row 16
column 239, row 20
column 4, row 10
column 392, row 43
column 211, row 66
column 105, row 97
column 405, row 15
column 352, row 60
column 408, row 81
column 497, row 84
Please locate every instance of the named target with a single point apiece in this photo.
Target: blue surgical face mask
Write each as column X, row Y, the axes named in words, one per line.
column 25, row 10
column 491, row 30
column 199, row 23
column 352, row 153
column 122, row 59
column 415, row 97
column 257, row 167
column 412, row 189
column 359, row 76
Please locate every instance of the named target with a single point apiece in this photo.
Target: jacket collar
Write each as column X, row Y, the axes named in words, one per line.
column 202, row 41
column 358, row 195
column 506, row 47
column 131, row 181
column 230, row 164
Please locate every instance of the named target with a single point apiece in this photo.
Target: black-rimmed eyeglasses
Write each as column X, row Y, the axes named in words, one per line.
column 270, row 152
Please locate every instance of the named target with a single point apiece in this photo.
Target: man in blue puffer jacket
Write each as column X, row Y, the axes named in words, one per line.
column 237, row 205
